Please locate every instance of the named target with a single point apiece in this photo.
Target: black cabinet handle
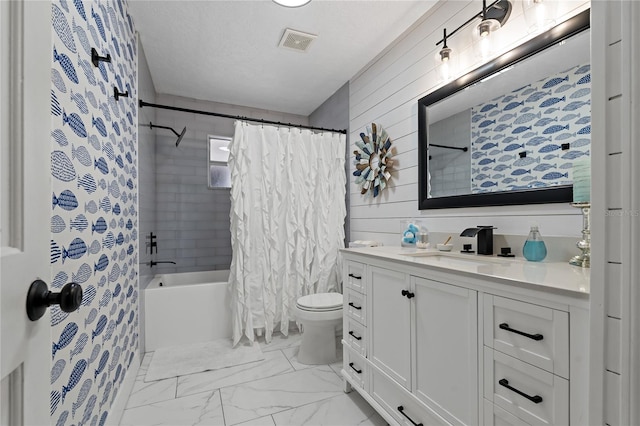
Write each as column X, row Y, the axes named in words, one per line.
column 535, row 399
column 354, row 306
column 355, row 369
column 408, row 294
column 505, row 326
column 401, row 409
column 354, row 336
column 355, row 277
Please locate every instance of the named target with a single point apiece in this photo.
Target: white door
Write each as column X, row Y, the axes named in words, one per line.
column 25, row 346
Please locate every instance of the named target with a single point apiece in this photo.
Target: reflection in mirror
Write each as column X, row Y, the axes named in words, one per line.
column 510, row 131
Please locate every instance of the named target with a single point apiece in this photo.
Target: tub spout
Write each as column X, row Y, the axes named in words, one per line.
column 152, row 263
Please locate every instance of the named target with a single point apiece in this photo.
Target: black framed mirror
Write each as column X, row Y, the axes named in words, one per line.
column 510, row 131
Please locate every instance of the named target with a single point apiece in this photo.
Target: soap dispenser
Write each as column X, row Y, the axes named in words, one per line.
column 534, row 248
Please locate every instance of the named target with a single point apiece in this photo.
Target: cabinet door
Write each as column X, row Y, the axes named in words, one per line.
column 389, row 316
column 446, row 349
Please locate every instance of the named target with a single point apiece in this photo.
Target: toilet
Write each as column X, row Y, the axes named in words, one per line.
column 319, row 315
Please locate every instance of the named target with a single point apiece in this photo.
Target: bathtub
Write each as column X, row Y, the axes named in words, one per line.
column 185, row 308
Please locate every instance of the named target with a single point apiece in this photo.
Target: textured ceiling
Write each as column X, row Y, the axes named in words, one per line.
column 227, row 51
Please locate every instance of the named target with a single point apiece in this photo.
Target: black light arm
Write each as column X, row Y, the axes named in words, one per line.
column 499, row 12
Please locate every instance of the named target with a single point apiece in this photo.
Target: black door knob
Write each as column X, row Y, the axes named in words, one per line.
column 39, row 298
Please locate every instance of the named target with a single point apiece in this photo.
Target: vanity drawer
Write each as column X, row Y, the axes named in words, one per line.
column 496, row 416
column 355, row 306
column 355, row 335
column 535, row 334
column 529, row 393
column 354, row 276
column 356, row 367
column 400, row 404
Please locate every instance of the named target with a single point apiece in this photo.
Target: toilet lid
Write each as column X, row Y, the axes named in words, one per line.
column 320, row 301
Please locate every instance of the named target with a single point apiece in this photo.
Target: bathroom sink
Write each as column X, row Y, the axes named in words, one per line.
column 460, row 261
column 454, row 259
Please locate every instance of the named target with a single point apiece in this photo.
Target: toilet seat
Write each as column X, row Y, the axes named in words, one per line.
column 320, row 302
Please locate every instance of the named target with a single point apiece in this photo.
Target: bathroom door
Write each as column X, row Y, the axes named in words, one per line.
column 25, row 194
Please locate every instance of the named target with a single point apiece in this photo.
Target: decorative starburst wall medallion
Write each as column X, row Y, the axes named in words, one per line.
column 373, row 160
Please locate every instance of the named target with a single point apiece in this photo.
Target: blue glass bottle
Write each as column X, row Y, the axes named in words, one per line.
column 534, row 248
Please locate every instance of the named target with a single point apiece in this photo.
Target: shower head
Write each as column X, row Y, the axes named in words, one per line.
column 179, row 135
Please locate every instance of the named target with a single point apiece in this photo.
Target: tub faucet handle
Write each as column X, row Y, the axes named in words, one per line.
column 151, row 243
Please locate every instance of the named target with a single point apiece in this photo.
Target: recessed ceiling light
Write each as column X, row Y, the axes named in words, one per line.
column 292, row 3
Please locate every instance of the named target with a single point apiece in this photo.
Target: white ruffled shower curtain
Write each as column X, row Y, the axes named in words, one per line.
column 287, row 222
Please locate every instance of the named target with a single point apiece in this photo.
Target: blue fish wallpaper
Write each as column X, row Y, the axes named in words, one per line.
column 94, row 201
column 529, row 138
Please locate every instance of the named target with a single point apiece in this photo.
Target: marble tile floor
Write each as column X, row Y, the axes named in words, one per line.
column 276, row 391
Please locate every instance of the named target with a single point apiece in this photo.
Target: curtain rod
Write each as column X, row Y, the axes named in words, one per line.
column 235, row 117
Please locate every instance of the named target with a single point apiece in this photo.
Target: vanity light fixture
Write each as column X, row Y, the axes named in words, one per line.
column 492, row 18
column 291, row 3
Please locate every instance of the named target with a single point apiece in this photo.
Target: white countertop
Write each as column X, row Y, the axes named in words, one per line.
column 556, row 275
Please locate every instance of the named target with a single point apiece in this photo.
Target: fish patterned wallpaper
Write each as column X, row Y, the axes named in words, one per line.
column 94, row 218
column 529, row 138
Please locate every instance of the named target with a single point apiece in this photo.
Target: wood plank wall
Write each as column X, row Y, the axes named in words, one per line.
column 615, row 299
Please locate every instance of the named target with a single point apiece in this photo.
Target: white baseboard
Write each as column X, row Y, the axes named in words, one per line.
column 118, row 406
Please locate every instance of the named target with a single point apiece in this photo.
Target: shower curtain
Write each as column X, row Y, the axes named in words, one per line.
column 287, row 222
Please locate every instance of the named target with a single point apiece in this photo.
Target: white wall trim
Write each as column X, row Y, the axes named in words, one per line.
column 633, row 17
column 119, row 404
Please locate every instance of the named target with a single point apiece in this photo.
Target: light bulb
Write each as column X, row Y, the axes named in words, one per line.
column 483, row 39
column 539, row 14
column 445, row 54
column 484, row 29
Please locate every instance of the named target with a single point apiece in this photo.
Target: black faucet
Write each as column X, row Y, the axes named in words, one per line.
column 152, row 263
column 485, row 238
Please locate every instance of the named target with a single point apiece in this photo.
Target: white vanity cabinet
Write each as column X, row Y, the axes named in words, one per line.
column 423, row 335
column 435, row 346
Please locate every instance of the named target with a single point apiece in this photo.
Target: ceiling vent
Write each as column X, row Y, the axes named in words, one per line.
column 296, row 40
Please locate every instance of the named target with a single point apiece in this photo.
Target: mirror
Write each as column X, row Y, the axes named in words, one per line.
column 510, row 131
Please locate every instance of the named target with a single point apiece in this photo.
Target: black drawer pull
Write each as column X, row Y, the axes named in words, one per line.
column 354, row 336
column 354, row 306
column 401, row 409
column 505, row 326
column 535, row 399
column 355, row 369
column 408, row 294
column 355, row 277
